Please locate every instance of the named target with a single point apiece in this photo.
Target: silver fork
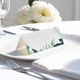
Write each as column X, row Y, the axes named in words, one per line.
column 19, row 68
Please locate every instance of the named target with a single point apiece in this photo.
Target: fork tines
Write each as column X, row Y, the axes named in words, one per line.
column 12, row 64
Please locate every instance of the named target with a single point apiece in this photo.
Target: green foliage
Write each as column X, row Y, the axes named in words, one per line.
column 57, row 30
column 35, row 51
column 28, row 49
column 52, row 42
column 61, row 40
column 31, row 1
column 47, row 46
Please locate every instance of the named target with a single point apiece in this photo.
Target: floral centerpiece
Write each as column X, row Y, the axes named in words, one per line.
column 37, row 12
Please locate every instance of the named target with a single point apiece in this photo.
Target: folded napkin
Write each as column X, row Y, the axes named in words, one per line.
column 66, row 63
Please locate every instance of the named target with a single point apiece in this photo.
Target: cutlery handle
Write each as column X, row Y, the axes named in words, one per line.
column 30, row 28
column 35, row 72
column 9, row 32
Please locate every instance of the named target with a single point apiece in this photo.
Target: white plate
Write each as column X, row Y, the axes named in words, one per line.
column 70, row 42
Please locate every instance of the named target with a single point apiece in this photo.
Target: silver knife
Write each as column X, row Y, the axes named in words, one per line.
column 30, row 28
column 9, row 32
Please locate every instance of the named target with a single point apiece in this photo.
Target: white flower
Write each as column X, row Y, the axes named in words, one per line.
column 23, row 15
column 44, row 12
column 40, row 11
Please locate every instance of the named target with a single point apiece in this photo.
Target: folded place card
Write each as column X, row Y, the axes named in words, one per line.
column 21, row 47
column 39, row 41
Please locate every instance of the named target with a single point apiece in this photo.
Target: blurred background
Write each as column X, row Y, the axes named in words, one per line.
column 68, row 9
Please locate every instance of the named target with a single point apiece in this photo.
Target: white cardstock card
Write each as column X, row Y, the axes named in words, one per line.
column 39, row 41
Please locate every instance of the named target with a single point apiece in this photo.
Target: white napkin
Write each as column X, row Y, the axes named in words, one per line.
column 65, row 63
column 6, row 73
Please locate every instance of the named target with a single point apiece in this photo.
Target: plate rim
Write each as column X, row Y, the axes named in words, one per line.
column 32, row 59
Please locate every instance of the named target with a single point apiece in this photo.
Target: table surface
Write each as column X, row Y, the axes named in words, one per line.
column 70, row 27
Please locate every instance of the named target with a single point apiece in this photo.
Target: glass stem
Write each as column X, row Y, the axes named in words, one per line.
column 1, row 26
column 2, row 22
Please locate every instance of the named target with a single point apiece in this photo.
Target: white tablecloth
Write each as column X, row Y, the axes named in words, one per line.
column 70, row 27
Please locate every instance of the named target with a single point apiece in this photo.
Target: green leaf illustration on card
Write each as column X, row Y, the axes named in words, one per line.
column 52, row 42
column 47, row 46
column 57, row 30
column 28, row 49
column 35, row 51
column 61, row 42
